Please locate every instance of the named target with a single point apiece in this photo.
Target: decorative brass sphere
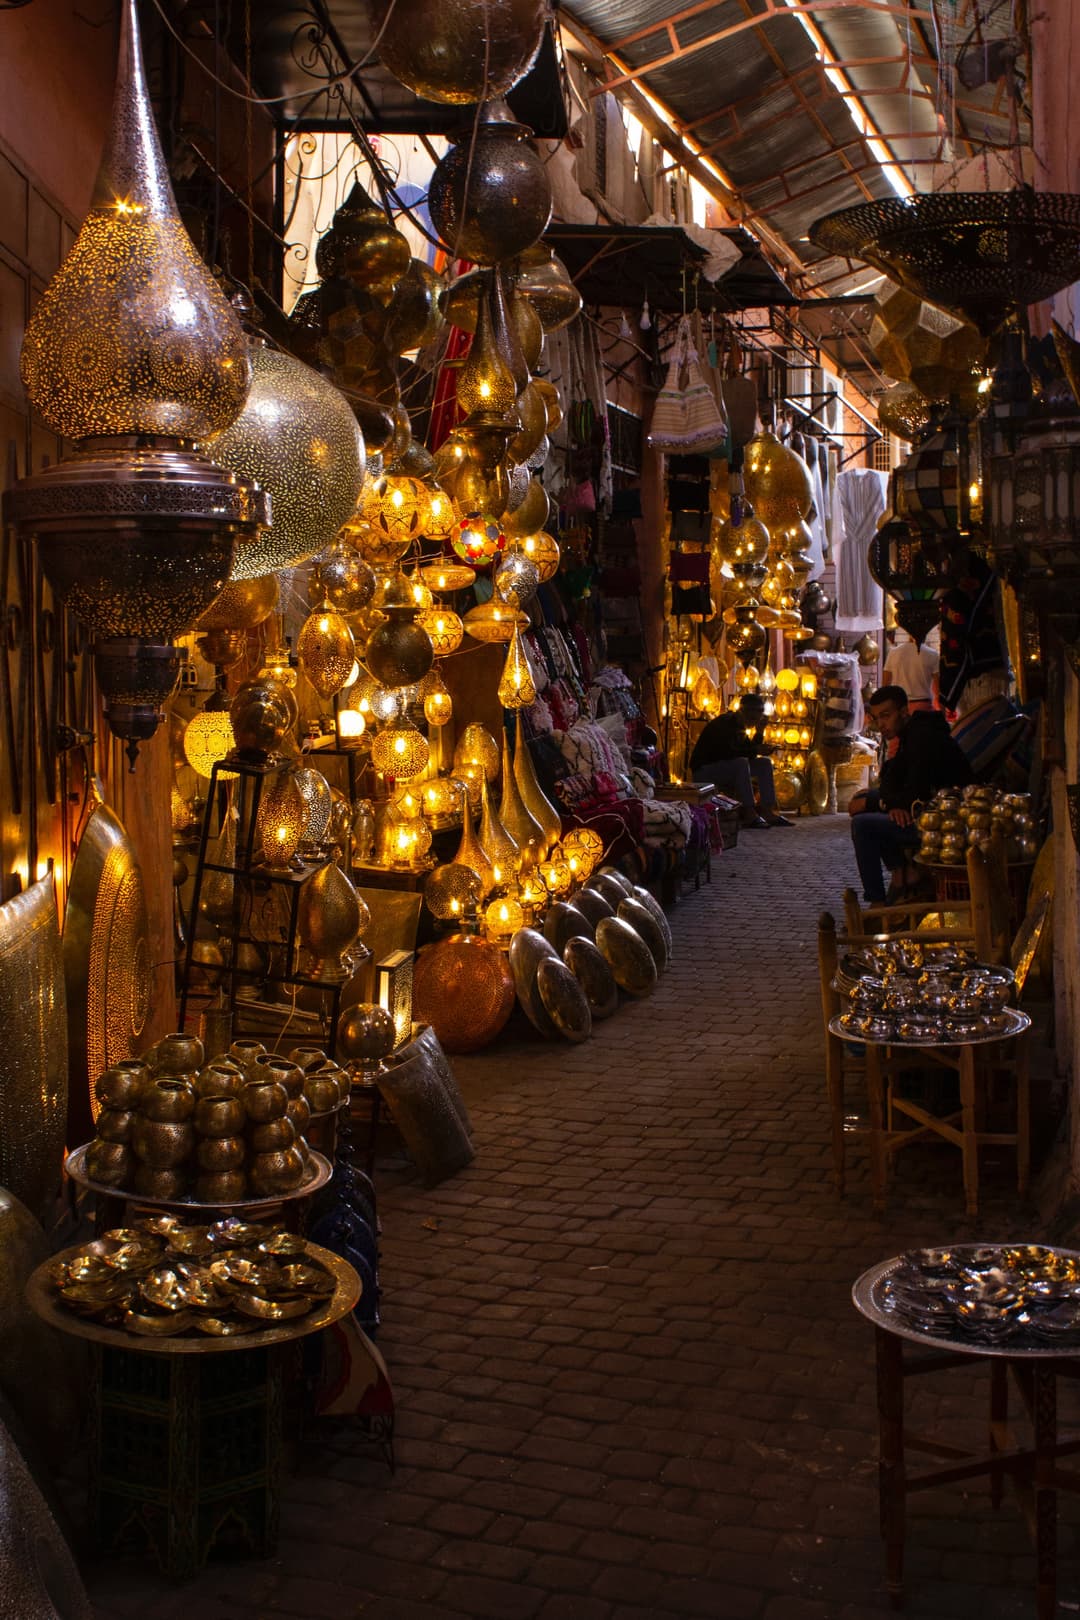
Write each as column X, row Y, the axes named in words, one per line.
column 400, row 751
column 516, row 578
column 298, row 438
column 396, row 510
column 777, row 481
column 459, row 51
column 445, row 629
column 345, row 579
column 452, row 891
column 529, row 517
column 260, row 719
column 542, row 550
column 364, row 247
column 544, row 280
column 366, row 1033
column 242, row 605
column 490, row 196
column 463, row 988
column 399, row 653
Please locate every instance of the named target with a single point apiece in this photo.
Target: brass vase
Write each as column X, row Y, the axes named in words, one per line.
column 501, row 850
column 522, row 826
column 532, row 794
column 469, row 852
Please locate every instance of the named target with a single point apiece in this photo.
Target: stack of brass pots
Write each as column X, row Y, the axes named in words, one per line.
column 173, row 1126
column 956, row 821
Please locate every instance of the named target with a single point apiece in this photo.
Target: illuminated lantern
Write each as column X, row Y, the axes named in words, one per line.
column 400, row 751
column 477, row 539
column 542, row 550
column 502, row 919
column 326, row 650
column 444, row 628
column 209, row 736
column 517, row 689
column 447, row 576
column 438, row 704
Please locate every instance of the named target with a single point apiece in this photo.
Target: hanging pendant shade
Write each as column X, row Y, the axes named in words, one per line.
column 522, row 827
column 533, row 797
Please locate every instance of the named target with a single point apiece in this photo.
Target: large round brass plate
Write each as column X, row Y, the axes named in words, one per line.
column 627, row 955
column 591, row 970
column 564, row 922
column 608, row 887
column 106, row 961
column 625, row 883
column 528, row 949
column 564, row 1000
column 817, row 784
column 653, row 906
column 593, row 906
column 644, row 923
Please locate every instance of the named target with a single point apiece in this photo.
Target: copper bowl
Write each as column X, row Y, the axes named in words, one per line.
column 265, row 1100
column 278, row 1172
column 162, row 1144
column 227, row 1187
column 114, row 1124
column 217, row 1154
column 273, row 1137
column 122, row 1085
column 220, row 1079
column 321, row 1091
column 272, row 1067
column 219, row 1116
column 299, row 1113
column 153, row 1182
column 168, row 1100
column 111, row 1163
column 244, row 1053
column 177, row 1054
column 307, row 1057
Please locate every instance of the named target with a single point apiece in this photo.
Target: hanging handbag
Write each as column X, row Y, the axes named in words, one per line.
column 686, row 416
column 667, row 430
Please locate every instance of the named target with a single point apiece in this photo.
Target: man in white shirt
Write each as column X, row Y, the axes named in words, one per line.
column 914, row 668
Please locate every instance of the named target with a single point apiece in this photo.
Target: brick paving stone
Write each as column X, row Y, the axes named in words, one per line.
column 630, row 1382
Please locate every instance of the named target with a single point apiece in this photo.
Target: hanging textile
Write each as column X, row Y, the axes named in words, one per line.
column 859, row 503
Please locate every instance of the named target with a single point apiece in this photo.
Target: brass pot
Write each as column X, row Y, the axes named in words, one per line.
column 265, row 1100
column 114, row 1124
column 273, row 1137
column 217, row 1154
column 221, row 1079
column 244, row 1053
column 177, row 1054
column 122, row 1085
column 168, row 1099
column 219, row 1116
column 271, row 1067
column 225, row 1187
column 277, row 1172
column 111, row 1163
column 307, row 1057
column 162, row 1144
column 152, row 1182
column 321, row 1091
column 340, row 1078
column 299, row 1113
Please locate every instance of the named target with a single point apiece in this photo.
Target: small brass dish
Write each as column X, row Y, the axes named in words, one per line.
column 191, row 1240
column 221, row 1327
column 273, row 1310
column 165, row 1290
column 308, row 1279
column 234, row 1234
column 166, row 1326
column 283, row 1243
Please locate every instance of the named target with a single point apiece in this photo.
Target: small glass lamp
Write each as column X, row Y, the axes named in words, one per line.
column 350, row 725
column 502, row 919
column 808, row 685
column 787, row 680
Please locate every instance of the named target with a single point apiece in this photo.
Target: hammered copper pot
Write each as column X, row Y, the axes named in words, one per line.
column 122, row 1085
column 217, row 1154
column 163, row 1144
column 272, row 1137
column 321, row 1091
column 151, row 1182
column 226, row 1187
column 307, row 1057
column 177, row 1054
column 114, row 1124
column 265, row 1100
column 299, row 1112
column 277, row 1172
column 220, row 1079
column 111, row 1163
column 243, row 1053
column 289, row 1074
column 169, row 1100
column 219, row 1116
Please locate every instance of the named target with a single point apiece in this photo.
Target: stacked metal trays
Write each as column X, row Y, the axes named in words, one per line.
column 991, row 1299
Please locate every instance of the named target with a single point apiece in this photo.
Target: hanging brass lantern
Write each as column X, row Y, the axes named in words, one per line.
column 490, row 196
column 544, row 280
column 401, row 751
column 396, row 510
column 476, row 746
column 399, row 653
column 444, row 628
column 242, row 606
column 459, row 51
column 447, row 575
column 494, row 621
column 517, row 689
column 326, row 650
column 777, row 481
column 515, row 579
column 364, row 247
column 438, row 704
column 344, row 578
column 530, row 516
column 542, row 550
column 486, row 381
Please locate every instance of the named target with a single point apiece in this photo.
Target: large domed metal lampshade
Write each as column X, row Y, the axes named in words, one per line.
column 777, row 481
column 298, row 437
column 134, row 352
column 490, row 196
column 459, row 51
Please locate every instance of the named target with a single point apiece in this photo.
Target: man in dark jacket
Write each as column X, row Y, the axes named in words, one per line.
column 729, row 754
column 927, row 758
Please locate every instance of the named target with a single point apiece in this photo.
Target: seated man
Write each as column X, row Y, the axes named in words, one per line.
column 729, row 754
column 926, row 759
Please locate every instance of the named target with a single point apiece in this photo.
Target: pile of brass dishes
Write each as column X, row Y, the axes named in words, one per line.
column 160, row 1278
column 173, row 1126
column 907, row 992
column 956, row 821
column 1022, row 1296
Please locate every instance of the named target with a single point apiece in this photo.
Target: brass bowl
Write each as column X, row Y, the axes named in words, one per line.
column 272, row 1067
column 308, row 1057
column 221, row 1078
column 273, row 1310
column 265, row 1100
column 224, row 1187
column 193, row 1242
column 122, row 1085
column 168, row 1100
column 111, row 1163
column 321, row 1091
column 278, row 1172
column 153, row 1182
column 167, row 1325
column 644, row 923
column 162, row 1144
column 217, row 1154
column 219, row 1116
column 272, row 1137
column 339, row 1076
column 284, row 1243
column 114, row 1124
column 301, row 1277
column 177, row 1054
column 243, row 1053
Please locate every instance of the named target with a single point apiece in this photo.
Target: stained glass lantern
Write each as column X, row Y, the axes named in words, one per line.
column 477, row 539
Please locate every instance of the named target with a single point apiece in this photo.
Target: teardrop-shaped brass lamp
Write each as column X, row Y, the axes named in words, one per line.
column 517, row 689
column 495, row 841
column 330, row 917
column 533, row 797
column 469, row 852
column 526, row 832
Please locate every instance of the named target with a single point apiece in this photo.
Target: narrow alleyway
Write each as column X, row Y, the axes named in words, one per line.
column 630, row 1381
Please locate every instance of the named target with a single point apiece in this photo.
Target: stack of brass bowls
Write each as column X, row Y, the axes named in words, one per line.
column 957, row 820
column 173, row 1126
column 912, row 992
column 160, row 1278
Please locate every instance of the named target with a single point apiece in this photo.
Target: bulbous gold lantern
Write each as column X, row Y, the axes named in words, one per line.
column 463, row 988
column 452, row 891
column 490, row 196
column 298, row 438
column 459, row 51
column 364, row 246
column 777, row 481
column 330, row 917
column 326, row 650
column 399, row 653
column 476, row 746
column 445, row 629
column 529, row 517
column 400, row 751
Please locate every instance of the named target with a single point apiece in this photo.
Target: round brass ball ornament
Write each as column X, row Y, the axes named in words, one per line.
column 490, row 196
column 459, row 51
column 366, row 1033
column 399, row 653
